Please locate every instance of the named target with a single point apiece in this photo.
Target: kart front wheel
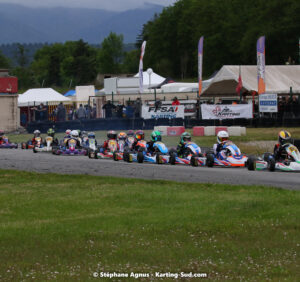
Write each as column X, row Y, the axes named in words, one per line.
column 172, row 159
column 271, row 164
column 140, row 157
column 115, row 156
column 251, row 163
column 194, row 161
column 34, row 150
column 210, row 160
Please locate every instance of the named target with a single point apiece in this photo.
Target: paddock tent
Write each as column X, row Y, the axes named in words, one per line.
column 279, row 79
column 155, row 79
column 37, row 96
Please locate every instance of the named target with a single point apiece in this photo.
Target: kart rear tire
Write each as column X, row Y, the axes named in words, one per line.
column 271, row 164
column 91, row 154
column 34, row 150
column 140, row 157
column 251, row 163
column 23, row 146
column 115, row 156
column 172, row 159
column 125, row 156
column 194, row 161
column 53, row 152
column 210, row 160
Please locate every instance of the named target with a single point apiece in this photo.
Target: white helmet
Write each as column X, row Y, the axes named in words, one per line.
column 68, row 131
column 36, row 133
column 222, row 136
column 74, row 133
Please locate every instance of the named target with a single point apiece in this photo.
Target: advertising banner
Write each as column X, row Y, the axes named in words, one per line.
column 260, row 46
column 268, row 103
column 200, row 62
column 163, row 112
column 226, row 111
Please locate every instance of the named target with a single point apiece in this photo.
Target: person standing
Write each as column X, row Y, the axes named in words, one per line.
column 175, row 102
column 108, row 107
column 81, row 112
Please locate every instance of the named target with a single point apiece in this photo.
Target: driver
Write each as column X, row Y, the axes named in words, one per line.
column 51, row 133
column 284, row 137
column 74, row 135
column 36, row 134
column 184, row 138
column 138, row 136
column 1, row 137
column 155, row 137
column 222, row 138
column 111, row 135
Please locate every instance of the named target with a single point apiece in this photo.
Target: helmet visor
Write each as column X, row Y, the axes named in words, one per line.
column 224, row 139
column 187, row 138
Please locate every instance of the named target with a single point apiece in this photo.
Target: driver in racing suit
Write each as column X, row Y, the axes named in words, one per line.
column 284, row 137
column 36, row 134
column 138, row 136
column 51, row 133
column 181, row 149
column 222, row 137
column 155, row 137
column 111, row 135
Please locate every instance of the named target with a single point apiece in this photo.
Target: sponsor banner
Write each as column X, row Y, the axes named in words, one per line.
column 226, row 111
column 163, row 112
column 200, row 61
column 261, row 66
column 268, row 103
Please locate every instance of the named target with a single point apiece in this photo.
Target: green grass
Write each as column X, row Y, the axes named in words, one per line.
column 253, row 134
column 65, row 227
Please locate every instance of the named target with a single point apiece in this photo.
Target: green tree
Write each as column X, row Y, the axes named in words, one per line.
column 111, row 54
column 4, row 62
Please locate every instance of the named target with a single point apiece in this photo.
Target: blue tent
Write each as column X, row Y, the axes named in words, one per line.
column 70, row 93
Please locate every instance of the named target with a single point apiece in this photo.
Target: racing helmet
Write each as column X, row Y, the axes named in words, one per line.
column 1, row 132
column 284, row 137
column 222, row 136
column 155, row 136
column 185, row 137
column 51, row 132
column 130, row 133
column 112, row 134
column 139, row 135
column 84, row 133
column 122, row 136
column 68, row 132
column 74, row 134
column 79, row 132
column 91, row 135
column 36, row 133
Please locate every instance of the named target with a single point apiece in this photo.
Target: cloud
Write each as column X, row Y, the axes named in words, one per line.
column 115, row 5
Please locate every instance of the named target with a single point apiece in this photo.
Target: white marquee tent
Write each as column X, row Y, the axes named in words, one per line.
column 37, row 96
column 279, row 79
column 155, row 79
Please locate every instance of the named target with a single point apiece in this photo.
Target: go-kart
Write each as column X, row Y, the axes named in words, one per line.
column 193, row 156
column 71, row 148
column 105, row 154
column 267, row 161
column 5, row 144
column 230, row 156
column 123, row 147
column 29, row 144
column 135, row 155
column 159, row 156
column 40, row 147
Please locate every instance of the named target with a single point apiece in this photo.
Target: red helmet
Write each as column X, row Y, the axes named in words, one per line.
column 112, row 134
column 139, row 135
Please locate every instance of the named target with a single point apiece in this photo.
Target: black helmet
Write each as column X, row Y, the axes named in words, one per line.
column 112, row 134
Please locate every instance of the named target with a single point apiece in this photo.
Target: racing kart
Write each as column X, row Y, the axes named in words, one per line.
column 70, row 149
column 107, row 153
column 193, row 156
column 137, row 155
column 123, row 147
column 29, row 144
column 267, row 161
column 40, row 147
column 230, row 156
column 6, row 144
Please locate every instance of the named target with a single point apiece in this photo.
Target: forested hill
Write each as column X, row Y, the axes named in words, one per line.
column 20, row 24
column 230, row 30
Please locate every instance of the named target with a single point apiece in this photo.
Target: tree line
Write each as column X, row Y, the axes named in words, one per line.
column 230, row 29
column 71, row 63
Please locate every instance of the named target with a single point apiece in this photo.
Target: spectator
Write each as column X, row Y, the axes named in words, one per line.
column 81, row 112
column 61, row 112
column 94, row 111
column 138, row 108
column 220, row 102
column 244, row 100
column 108, row 107
column 71, row 113
column 294, row 102
column 157, row 103
column 120, row 110
column 129, row 110
column 88, row 111
column 175, row 102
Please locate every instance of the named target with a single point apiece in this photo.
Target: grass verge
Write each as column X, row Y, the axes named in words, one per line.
column 65, row 227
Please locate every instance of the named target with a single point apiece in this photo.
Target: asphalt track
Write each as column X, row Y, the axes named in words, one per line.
column 47, row 163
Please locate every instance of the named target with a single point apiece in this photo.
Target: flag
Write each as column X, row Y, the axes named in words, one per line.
column 239, row 87
column 200, row 62
column 260, row 46
column 141, row 66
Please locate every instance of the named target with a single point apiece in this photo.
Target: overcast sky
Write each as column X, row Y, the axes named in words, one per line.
column 115, row 5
